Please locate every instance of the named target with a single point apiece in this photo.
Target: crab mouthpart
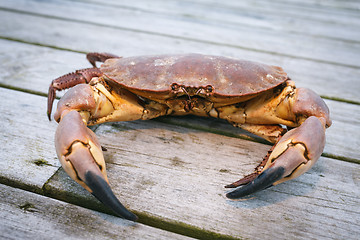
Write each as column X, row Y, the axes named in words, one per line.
column 102, row 191
column 264, row 180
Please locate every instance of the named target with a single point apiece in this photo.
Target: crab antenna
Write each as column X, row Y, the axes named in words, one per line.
column 186, row 92
column 198, row 91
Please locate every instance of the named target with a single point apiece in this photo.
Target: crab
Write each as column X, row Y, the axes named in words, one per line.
column 256, row 97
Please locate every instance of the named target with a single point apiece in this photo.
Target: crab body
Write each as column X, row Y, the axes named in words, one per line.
column 253, row 96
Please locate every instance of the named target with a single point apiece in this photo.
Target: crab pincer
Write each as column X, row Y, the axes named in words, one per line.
column 78, row 149
column 81, row 157
column 295, row 152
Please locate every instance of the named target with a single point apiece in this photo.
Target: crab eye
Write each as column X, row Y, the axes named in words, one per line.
column 209, row 88
column 174, row 87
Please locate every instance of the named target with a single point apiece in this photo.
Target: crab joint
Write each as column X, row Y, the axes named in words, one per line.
column 79, row 160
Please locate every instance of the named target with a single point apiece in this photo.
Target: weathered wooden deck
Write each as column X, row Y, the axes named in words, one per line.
column 171, row 171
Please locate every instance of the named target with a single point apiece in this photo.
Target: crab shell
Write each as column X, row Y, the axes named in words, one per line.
column 220, row 80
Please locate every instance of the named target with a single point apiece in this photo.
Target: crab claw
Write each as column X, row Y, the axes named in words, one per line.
column 295, row 153
column 264, row 180
column 81, row 156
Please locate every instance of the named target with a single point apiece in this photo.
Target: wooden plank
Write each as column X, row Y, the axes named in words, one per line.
column 291, row 44
column 259, row 14
column 41, row 65
column 25, row 215
column 27, row 141
column 296, row 10
column 352, row 5
column 321, row 77
column 178, row 174
column 345, row 130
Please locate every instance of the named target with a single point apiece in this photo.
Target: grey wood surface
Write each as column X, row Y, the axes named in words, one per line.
column 26, row 215
column 171, row 171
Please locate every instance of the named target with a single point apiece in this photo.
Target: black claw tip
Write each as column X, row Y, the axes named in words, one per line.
column 102, row 191
column 264, row 180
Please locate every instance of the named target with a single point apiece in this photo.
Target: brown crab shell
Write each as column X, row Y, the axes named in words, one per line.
column 231, row 80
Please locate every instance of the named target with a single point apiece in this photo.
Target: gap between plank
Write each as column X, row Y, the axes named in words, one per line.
column 152, row 221
column 207, row 19
column 170, row 226
column 83, row 52
column 169, row 36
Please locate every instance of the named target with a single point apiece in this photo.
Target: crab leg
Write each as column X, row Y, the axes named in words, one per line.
column 78, row 77
column 94, row 57
column 68, row 81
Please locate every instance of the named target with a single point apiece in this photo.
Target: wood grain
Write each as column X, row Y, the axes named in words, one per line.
column 239, row 36
column 25, row 215
column 26, row 137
